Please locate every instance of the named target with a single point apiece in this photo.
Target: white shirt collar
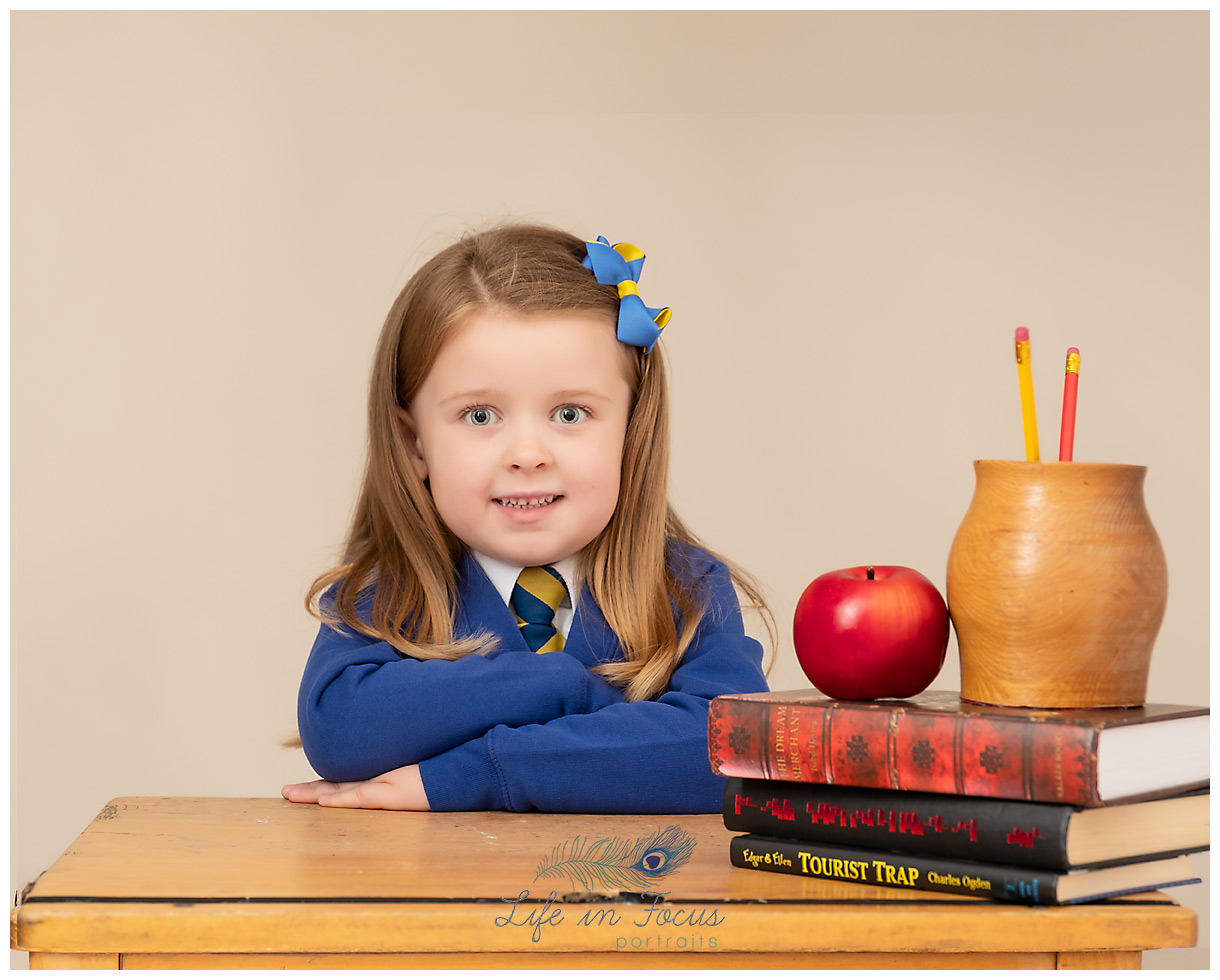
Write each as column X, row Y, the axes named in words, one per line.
column 504, row 576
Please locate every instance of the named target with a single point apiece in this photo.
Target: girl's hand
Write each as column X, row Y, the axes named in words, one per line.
column 398, row 789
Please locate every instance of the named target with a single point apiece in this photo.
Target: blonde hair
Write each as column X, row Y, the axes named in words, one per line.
column 399, row 547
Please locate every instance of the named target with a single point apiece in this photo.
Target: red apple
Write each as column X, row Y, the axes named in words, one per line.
column 877, row 631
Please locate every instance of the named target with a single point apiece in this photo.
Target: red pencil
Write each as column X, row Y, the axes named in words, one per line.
column 1067, row 429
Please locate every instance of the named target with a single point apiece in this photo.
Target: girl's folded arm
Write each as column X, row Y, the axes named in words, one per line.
column 641, row 757
column 363, row 709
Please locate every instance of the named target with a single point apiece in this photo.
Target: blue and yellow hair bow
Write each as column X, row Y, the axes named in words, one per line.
column 620, row 265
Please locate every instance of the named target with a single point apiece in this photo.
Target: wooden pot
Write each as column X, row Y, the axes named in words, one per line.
column 1057, row 585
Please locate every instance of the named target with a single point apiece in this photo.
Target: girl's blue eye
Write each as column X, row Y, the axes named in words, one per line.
column 570, row 415
column 480, row 415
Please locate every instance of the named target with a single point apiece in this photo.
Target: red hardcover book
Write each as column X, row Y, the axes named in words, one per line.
column 937, row 743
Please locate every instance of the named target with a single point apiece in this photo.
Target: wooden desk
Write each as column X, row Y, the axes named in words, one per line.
column 209, row 883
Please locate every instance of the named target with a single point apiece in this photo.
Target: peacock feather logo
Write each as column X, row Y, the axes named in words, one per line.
column 619, row 862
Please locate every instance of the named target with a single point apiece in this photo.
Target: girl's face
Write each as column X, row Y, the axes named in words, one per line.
column 519, row 430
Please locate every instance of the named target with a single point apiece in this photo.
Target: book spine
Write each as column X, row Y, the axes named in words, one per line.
column 866, row 867
column 895, row 746
column 972, row 828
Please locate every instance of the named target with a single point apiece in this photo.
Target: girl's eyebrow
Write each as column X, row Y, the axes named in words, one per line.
column 475, row 394
column 580, row 393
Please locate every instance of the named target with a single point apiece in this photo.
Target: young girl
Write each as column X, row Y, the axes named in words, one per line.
column 518, row 456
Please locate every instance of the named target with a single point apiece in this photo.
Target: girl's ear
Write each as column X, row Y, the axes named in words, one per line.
column 410, row 439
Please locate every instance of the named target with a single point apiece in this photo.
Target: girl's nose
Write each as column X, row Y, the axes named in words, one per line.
column 527, row 450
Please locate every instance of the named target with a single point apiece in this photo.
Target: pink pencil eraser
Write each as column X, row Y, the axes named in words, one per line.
column 1022, row 333
column 1073, row 350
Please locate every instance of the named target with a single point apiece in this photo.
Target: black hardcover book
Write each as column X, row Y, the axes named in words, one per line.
column 1008, row 832
column 1005, row 883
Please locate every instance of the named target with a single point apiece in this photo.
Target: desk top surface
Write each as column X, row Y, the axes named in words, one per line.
column 206, row 857
column 209, row 848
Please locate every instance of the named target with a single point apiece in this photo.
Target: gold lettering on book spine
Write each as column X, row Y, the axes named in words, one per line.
column 779, row 737
column 794, row 752
column 1058, row 764
column 821, row 767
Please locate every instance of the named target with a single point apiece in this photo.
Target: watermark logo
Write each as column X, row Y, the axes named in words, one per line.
column 619, row 862
column 625, row 871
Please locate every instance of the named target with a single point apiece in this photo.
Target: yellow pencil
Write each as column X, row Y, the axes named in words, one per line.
column 1025, row 376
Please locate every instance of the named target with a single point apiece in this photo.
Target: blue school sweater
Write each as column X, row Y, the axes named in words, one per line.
column 517, row 730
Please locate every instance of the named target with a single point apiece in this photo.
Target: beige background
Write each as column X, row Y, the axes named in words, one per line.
column 848, row 213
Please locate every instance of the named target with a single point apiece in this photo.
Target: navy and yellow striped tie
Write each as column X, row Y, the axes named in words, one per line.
column 538, row 593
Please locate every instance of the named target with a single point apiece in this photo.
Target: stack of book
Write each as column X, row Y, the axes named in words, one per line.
column 1042, row 807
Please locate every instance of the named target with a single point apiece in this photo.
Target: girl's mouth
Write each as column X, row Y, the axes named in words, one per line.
column 526, row 503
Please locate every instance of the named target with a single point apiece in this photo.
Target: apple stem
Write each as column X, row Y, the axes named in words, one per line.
column 870, row 573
